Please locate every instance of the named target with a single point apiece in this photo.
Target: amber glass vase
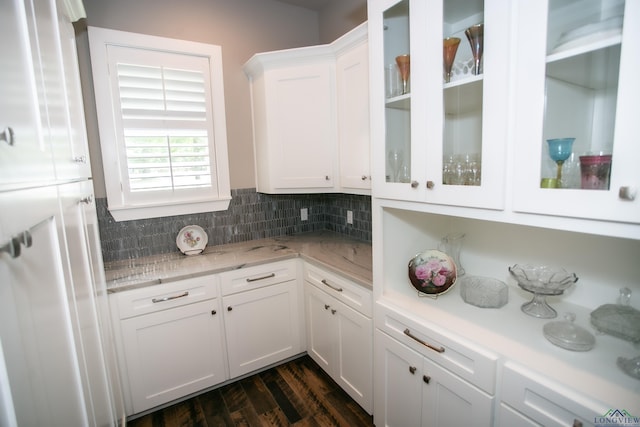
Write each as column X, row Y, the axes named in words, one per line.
column 450, row 47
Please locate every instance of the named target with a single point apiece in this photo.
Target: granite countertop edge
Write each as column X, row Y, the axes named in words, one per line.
column 345, row 256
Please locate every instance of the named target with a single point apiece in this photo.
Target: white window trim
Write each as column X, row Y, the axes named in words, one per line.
column 121, row 208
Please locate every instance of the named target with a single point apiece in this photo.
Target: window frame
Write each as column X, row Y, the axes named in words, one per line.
column 119, row 201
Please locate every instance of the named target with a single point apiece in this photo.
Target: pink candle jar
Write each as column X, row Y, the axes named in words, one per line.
column 595, row 171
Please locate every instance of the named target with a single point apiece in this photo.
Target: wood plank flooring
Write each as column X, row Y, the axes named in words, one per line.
column 297, row 393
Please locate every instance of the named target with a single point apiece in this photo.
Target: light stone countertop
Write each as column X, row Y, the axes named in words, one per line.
column 345, row 256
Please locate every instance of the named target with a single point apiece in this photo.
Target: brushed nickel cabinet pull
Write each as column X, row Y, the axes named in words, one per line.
column 414, row 184
column 430, row 184
column 408, row 333
column 7, row 136
column 326, row 283
column 255, row 279
column 155, row 300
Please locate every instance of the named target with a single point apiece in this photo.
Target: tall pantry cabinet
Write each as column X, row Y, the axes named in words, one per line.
column 56, row 365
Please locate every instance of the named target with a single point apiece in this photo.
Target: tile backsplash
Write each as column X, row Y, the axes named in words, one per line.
column 251, row 216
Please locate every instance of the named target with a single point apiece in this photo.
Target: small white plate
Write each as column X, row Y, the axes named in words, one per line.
column 192, row 240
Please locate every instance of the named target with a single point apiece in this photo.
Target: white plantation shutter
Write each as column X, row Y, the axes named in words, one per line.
column 164, row 121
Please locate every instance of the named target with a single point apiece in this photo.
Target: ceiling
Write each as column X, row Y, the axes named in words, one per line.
column 316, row 5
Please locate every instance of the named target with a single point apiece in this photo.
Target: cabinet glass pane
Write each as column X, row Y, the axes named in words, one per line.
column 583, row 62
column 397, row 92
column 463, row 69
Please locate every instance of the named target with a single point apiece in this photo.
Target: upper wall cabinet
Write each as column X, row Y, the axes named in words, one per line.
column 576, row 126
column 42, row 131
column 302, row 117
column 439, row 92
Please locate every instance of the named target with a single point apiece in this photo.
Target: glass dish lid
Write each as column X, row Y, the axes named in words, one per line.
column 568, row 335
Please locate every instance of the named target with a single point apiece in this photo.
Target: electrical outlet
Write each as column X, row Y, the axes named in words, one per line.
column 304, row 214
column 349, row 217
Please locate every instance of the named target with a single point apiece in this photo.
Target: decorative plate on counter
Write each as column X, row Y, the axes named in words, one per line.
column 192, row 240
column 432, row 272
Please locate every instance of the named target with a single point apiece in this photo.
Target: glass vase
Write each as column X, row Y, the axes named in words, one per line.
column 451, row 244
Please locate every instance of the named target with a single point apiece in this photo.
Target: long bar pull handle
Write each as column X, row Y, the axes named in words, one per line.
column 255, row 279
column 324, row 282
column 155, row 300
column 408, row 333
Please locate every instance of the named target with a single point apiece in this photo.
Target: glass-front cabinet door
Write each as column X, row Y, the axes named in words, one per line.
column 577, row 89
column 439, row 100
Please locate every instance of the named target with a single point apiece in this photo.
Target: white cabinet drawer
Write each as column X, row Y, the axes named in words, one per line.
column 546, row 402
column 353, row 295
column 165, row 296
column 465, row 359
column 244, row 279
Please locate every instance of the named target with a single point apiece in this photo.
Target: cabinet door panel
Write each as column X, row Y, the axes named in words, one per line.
column 397, row 396
column 586, row 92
column 449, row 401
column 303, row 130
column 173, row 353
column 320, row 333
column 354, row 356
column 352, row 82
column 29, row 159
column 262, row 327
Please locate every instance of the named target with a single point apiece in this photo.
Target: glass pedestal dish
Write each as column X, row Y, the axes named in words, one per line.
column 541, row 281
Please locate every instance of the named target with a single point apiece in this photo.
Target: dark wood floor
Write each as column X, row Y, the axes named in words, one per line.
column 297, row 393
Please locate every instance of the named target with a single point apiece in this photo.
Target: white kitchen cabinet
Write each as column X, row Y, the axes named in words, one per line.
column 25, row 155
column 435, row 142
column 297, row 117
column 340, row 338
column 171, row 340
column 577, row 79
column 294, row 122
column 529, row 399
column 263, row 315
column 413, row 390
column 352, row 89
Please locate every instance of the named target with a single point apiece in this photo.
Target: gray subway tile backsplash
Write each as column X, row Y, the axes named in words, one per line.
column 251, row 216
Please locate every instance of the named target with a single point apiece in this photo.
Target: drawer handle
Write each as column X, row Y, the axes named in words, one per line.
column 324, row 282
column 326, row 306
column 333, row 311
column 155, row 300
column 577, row 423
column 255, row 279
column 408, row 333
column 412, row 369
column 426, row 378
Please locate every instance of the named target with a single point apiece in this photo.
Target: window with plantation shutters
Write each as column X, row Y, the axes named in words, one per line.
column 162, row 126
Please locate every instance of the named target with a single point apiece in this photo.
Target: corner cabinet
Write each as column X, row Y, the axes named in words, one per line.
column 578, row 79
column 300, row 118
column 340, row 332
column 439, row 141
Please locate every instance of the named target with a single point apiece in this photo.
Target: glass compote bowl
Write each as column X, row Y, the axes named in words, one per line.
column 541, row 281
column 559, row 151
